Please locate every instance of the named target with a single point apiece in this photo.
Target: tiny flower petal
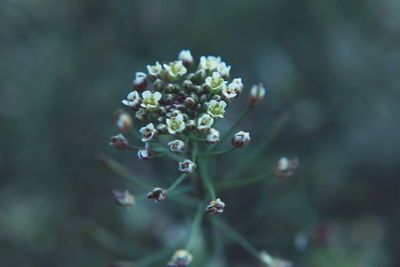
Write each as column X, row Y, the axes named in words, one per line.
column 176, row 146
column 186, row 57
column 209, row 63
column 216, row 108
column 224, row 70
column 140, row 81
column 204, row 122
column 216, row 83
column 176, row 124
column 154, row 70
column 133, row 100
column 175, row 70
column 150, row 100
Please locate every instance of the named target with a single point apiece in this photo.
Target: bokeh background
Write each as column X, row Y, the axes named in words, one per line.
column 333, row 66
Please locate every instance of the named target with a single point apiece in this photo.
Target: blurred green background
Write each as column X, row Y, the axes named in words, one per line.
column 334, row 66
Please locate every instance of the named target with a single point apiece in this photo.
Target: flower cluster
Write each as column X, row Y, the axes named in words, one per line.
column 179, row 98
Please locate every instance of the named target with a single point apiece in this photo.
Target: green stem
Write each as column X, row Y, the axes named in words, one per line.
column 206, row 179
column 218, row 153
column 122, row 171
column 243, row 182
column 195, row 226
column 236, row 124
column 235, row 236
column 178, row 181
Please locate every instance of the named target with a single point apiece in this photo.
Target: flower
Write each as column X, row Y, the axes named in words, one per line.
column 181, row 258
column 286, row 167
column 268, row 261
column 146, row 153
column 215, row 207
column 140, row 81
column 209, row 63
column 119, row 142
column 204, row 122
column 241, row 139
column 176, row 124
column 216, row 108
column 154, row 70
column 158, row 194
column 122, row 120
column 257, row 94
column 187, row 166
column 215, row 82
column 229, row 92
column 236, row 85
column 213, row 136
column 124, row 199
column 148, row 132
column 176, row 146
column 133, row 100
column 224, row 70
column 175, row 70
column 186, row 57
column 150, row 100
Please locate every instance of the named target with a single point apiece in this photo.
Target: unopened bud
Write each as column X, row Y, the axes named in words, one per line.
column 189, row 102
column 215, row 207
column 240, row 139
column 198, row 89
column 157, row 85
column 257, row 94
column 186, row 57
column 119, row 142
column 158, row 194
column 200, row 75
column 213, row 136
column 140, row 81
column 286, row 167
column 190, row 125
column 141, row 114
column 188, row 85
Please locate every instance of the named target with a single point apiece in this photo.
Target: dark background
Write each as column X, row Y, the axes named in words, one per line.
column 332, row 65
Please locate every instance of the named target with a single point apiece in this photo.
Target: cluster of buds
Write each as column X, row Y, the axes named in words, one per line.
column 215, row 207
column 178, row 98
column 158, row 194
column 181, row 258
column 124, row 199
column 286, row 167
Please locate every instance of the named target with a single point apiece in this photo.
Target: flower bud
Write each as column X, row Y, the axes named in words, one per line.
column 190, row 125
column 181, row 258
column 257, row 94
column 168, row 99
column 124, row 199
column 188, row 85
column 146, row 153
column 286, row 167
column 216, row 97
column 169, row 88
column 119, row 142
column 215, row 207
column 176, row 146
column 203, row 98
column 140, row 81
column 122, row 120
column 198, row 89
column 187, row 166
column 200, row 75
column 189, row 102
column 157, row 85
column 158, row 194
column 241, row 139
column 213, row 136
column 141, row 114
column 186, row 57
column 268, row 261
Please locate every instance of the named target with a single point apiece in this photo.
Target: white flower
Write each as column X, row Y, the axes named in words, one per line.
column 154, row 70
column 224, row 69
column 241, row 139
column 257, row 93
column 176, row 146
column 133, row 100
column 122, row 120
column 236, row 85
column 140, row 81
column 181, row 258
column 216, row 82
column 176, row 124
column 286, row 167
column 213, row 136
column 146, row 153
column 175, row 69
column 124, row 199
column 209, row 63
column 158, row 194
column 186, row 166
column 204, row 122
column 150, row 100
column 119, row 142
column 216, row 108
column 229, row 93
column 215, row 206
column 186, row 57
column 148, row 132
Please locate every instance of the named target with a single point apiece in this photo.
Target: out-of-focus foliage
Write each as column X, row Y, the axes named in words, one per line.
column 332, row 65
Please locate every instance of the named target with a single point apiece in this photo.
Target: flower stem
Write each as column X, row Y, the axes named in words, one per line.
column 206, row 179
column 235, row 236
column 218, row 153
column 195, row 226
column 178, row 181
column 243, row 182
column 236, row 124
